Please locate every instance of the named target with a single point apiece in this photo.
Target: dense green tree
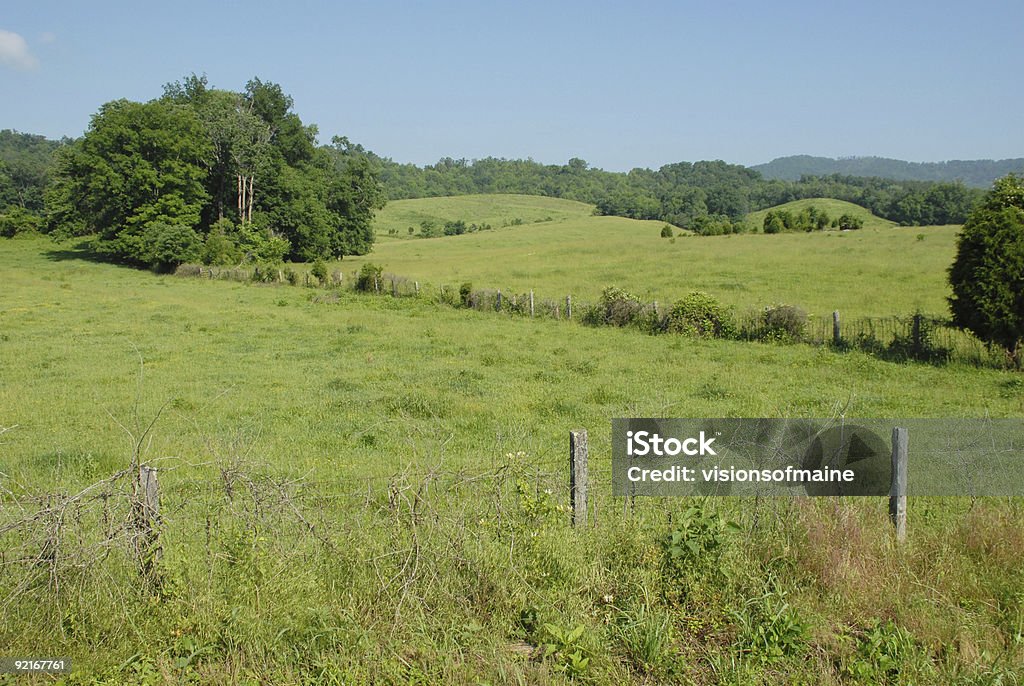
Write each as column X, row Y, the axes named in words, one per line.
column 987, row 276
column 138, row 164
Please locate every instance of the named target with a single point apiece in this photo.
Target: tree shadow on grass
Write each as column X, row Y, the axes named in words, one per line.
column 78, row 249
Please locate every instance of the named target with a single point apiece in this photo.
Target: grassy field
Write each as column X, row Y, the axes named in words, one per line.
column 871, row 272
column 497, row 210
column 834, row 209
column 358, row 489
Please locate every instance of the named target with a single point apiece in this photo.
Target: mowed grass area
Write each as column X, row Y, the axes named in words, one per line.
column 870, row 272
column 834, row 208
column 497, row 210
column 390, row 567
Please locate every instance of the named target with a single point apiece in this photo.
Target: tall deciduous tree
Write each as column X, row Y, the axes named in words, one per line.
column 137, row 164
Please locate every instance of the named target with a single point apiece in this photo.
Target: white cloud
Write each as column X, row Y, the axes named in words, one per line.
column 14, row 51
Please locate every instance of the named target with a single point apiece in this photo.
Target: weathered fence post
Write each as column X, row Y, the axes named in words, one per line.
column 417, row 285
column 915, row 336
column 836, row 335
column 146, row 514
column 531, row 302
column 568, row 307
column 376, row 284
column 497, row 302
column 578, row 476
column 656, row 313
column 898, row 488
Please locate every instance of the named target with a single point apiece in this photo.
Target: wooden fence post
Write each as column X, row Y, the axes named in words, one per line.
column 531, row 302
column 417, row 284
column 568, row 307
column 146, row 508
column 836, row 335
column 578, row 476
column 394, row 288
column 497, row 302
column 898, row 488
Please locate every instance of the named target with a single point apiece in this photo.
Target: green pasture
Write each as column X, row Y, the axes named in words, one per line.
column 497, row 210
column 362, row 489
column 870, row 272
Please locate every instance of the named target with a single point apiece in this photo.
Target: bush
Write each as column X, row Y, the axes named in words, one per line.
column 616, row 308
column 784, row 322
column 666, row 231
column 701, row 316
column 848, row 222
column 455, row 228
column 466, row 294
column 319, row 270
column 165, row 246
column 220, row 247
column 18, row 221
column 369, row 277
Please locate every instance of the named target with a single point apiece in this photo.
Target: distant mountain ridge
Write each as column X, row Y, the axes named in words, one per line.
column 976, row 173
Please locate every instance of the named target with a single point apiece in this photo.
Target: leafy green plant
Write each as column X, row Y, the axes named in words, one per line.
column 699, row 315
column 695, row 541
column 786, row 323
column 368, row 279
column 563, row 647
column 882, row 650
column 319, row 270
column 770, row 629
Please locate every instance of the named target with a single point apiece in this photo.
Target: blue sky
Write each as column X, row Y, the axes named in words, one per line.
column 619, row 84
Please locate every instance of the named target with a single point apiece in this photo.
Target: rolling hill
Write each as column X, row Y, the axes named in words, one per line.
column 497, row 210
column 834, row 208
column 583, row 254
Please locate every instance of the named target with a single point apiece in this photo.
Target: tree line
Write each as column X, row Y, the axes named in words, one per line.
column 217, row 175
column 707, row 196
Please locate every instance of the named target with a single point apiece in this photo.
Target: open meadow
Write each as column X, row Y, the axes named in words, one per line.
column 879, row 271
column 364, row 489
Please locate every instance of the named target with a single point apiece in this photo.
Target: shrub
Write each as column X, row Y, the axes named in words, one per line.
column 220, row 247
column 369, row 277
column 666, row 231
column 848, row 222
column 291, row 276
column 17, row 220
column 165, row 246
column 616, row 308
column 700, row 315
column 429, row 229
column 319, row 270
column 465, row 293
column 784, row 322
column 455, row 228
column 774, row 223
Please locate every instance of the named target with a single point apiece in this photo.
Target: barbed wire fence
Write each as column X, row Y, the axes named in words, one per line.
column 918, row 336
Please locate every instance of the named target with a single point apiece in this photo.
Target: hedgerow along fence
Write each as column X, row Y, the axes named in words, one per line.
column 913, row 337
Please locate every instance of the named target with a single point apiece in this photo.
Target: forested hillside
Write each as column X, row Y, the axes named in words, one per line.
column 709, row 197
column 973, row 173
